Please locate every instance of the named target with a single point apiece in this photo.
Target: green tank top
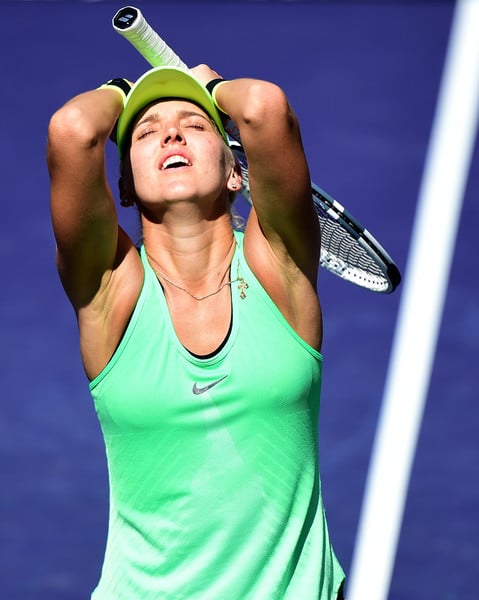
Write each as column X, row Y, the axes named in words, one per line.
column 213, row 462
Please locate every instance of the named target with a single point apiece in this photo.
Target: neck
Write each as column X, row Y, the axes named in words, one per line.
column 185, row 249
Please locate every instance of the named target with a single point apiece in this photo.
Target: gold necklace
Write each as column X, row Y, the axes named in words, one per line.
column 242, row 283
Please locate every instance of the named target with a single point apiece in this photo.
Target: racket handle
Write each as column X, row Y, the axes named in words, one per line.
column 131, row 24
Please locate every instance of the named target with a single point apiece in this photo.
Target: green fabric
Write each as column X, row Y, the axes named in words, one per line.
column 214, row 495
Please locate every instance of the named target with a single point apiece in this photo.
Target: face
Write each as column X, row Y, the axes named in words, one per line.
column 177, row 154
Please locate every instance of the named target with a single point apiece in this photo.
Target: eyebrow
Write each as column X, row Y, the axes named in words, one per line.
column 184, row 113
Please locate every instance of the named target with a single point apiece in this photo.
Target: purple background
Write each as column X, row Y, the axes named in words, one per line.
column 363, row 78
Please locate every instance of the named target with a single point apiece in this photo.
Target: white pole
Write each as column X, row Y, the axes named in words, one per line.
column 432, row 246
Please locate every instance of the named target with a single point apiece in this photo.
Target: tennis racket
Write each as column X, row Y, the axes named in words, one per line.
column 348, row 250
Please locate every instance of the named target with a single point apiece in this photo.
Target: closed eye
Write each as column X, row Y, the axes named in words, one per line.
column 145, row 133
column 200, row 126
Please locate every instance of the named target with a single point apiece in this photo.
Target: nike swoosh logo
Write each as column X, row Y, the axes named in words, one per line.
column 201, row 390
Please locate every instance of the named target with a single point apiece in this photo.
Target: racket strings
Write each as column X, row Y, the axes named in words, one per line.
column 345, row 256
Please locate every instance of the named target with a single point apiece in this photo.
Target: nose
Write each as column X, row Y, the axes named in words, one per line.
column 172, row 134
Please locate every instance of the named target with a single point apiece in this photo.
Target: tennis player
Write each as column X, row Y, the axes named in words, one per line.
column 202, row 345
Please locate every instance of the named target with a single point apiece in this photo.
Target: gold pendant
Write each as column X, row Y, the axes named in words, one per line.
column 242, row 286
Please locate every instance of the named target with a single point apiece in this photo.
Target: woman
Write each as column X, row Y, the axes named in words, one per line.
column 202, row 347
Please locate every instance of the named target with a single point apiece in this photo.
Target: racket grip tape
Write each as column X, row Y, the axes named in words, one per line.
column 131, row 24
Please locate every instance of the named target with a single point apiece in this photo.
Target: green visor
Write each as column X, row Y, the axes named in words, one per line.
column 158, row 83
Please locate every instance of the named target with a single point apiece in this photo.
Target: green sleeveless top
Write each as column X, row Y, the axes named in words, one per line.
column 213, row 462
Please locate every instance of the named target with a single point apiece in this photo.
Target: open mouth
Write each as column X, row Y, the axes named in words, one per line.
column 175, row 161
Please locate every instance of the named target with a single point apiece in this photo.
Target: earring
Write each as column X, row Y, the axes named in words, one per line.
column 233, row 186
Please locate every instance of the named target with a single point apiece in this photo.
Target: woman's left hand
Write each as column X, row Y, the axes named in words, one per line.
column 205, row 74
